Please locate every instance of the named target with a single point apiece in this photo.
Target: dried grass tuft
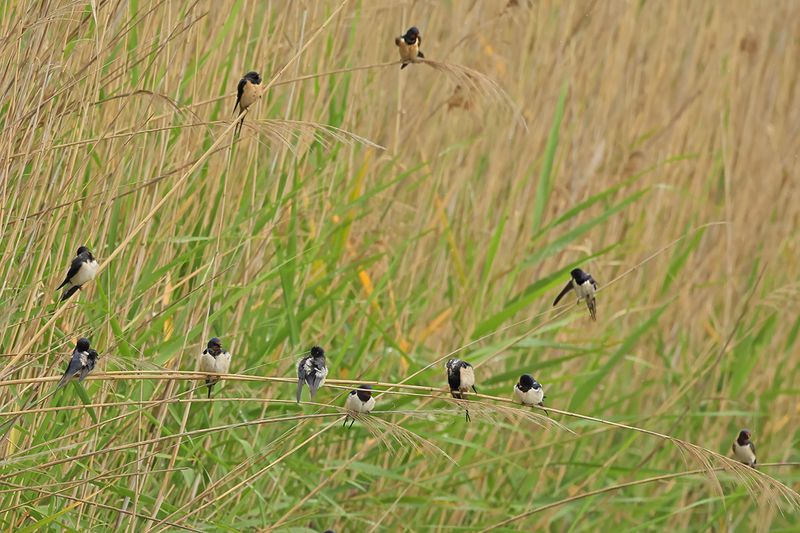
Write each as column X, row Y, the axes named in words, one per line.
column 393, row 435
column 298, row 135
column 472, row 85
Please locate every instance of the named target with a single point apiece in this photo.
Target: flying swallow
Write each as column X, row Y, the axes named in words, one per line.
column 461, row 378
column 743, row 449
column 214, row 359
column 359, row 401
column 528, row 391
column 312, row 370
column 82, row 270
column 584, row 286
column 408, row 45
column 247, row 92
column 82, row 362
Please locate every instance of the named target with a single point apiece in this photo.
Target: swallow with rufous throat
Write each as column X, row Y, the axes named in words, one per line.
column 408, row 46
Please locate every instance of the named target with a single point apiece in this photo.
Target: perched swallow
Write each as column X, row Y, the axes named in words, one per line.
column 743, row 449
column 408, row 45
column 82, row 270
column 214, row 359
column 82, row 362
column 584, row 286
column 528, row 391
column 247, row 92
column 312, row 370
column 461, row 377
column 359, row 401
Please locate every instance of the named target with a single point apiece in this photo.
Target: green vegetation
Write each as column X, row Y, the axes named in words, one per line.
column 398, row 218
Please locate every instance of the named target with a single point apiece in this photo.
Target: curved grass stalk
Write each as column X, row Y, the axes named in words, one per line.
column 245, row 481
column 612, row 488
column 754, row 480
column 156, row 440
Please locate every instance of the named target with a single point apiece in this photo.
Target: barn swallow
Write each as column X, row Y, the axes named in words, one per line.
column 743, row 449
column 584, row 286
column 312, row 370
column 408, row 46
column 461, row 378
column 247, row 92
column 82, row 362
column 359, row 401
column 82, row 270
column 528, row 391
column 214, row 359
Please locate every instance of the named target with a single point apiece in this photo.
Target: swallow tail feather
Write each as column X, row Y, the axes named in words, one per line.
column 69, row 292
column 591, row 303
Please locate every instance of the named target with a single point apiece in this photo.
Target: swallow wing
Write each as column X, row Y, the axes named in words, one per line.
column 316, row 379
column 74, row 367
column 239, row 92
column 753, row 448
column 563, row 293
column 453, row 377
column 301, row 377
column 593, row 282
column 74, row 267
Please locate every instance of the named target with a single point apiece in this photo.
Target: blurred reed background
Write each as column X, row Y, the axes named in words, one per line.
column 394, row 217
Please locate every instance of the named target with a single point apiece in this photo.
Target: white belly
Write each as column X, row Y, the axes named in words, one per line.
column 207, row 363
column 467, row 378
column 744, row 454
column 585, row 290
column 357, row 406
column 369, row 406
column 224, row 362
column 532, row 397
column 86, row 273
column 218, row 365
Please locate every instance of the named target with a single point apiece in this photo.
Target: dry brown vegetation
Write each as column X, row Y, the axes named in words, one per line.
column 396, row 218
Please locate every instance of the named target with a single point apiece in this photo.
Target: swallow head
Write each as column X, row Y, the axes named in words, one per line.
column 526, row 382
column 85, row 250
column 82, row 344
column 316, row 352
column 364, row 392
column 253, row 77
column 577, row 273
column 214, row 346
column 744, row 437
column 411, row 35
